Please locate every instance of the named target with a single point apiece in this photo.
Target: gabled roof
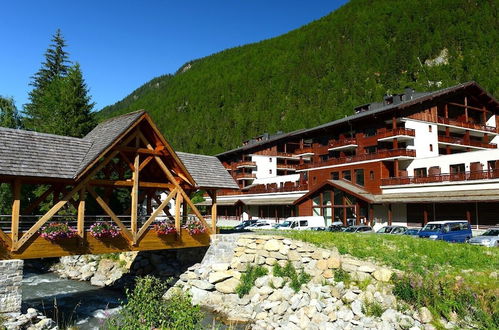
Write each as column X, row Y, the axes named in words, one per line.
column 207, row 171
column 416, row 99
column 342, row 185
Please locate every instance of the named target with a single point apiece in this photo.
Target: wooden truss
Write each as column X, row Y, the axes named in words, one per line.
column 136, row 153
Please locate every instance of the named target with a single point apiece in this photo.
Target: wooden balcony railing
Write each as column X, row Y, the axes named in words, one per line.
column 287, row 166
column 454, row 122
column 245, row 164
column 342, row 142
column 464, row 176
column 466, row 142
column 269, row 188
column 359, row 158
column 274, row 153
column 245, row 176
column 383, row 133
column 306, row 150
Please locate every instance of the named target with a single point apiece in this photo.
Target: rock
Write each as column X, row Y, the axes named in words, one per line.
column 247, row 258
column 270, row 261
column 293, row 256
column 277, row 255
column 366, row 269
column 321, row 264
column 382, row 274
column 172, row 292
column 281, row 308
column 424, row 315
column 389, row 315
column 265, row 290
column 98, row 280
column 261, row 316
column 273, row 245
column 216, row 277
column 45, row 324
column 328, row 273
column 220, row 267
column 203, row 285
column 278, row 282
column 349, row 267
column 345, row 314
column 356, row 306
column 198, row 296
column 227, row 286
column 261, row 281
column 349, row 296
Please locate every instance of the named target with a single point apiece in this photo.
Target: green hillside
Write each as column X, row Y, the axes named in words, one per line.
column 320, row 71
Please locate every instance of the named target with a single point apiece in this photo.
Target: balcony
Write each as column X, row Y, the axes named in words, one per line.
column 289, row 167
column 466, row 125
column 278, row 154
column 465, row 176
column 245, row 176
column 308, row 151
column 342, row 144
column 269, row 188
column 401, row 134
column 381, row 154
column 465, row 143
column 245, row 164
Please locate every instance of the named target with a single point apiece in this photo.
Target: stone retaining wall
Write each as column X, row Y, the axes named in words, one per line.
column 11, row 276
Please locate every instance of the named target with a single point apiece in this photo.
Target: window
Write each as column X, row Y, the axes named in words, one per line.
column 270, row 160
column 270, row 171
column 347, row 175
column 314, row 179
column 420, row 172
column 431, row 147
column 303, row 223
column 371, row 175
column 359, row 177
column 429, row 128
column 335, row 175
column 457, row 168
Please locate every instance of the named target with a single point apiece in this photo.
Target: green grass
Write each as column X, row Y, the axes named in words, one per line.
column 373, row 308
column 248, row 279
column 445, row 277
column 289, row 272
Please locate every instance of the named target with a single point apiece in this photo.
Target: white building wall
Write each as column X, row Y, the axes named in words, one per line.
column 423, row 138
column 266, row 166
column 278, row 179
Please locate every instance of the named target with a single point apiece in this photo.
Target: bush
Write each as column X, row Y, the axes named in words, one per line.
column 145, row 308
column 248, row 279
column 289, row 272
column 373, row 308
column 445, row 295
column 341, row 275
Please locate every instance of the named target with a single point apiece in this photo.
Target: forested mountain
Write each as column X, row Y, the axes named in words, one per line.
column 320, row 71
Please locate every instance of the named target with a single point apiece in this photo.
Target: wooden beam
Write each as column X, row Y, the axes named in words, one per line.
column 6, row 238
column 127, row 161
column 178, row 203
column 145, row 151
column 110, row 212
column 213, row 196
column 81, row 214
column 155, row 214
column 129, row 183
column 135, row 197
column 37, row 201
column 16, row 209
column 165, row 211
column 27, row 235
column 145, row 162
column 469, row 107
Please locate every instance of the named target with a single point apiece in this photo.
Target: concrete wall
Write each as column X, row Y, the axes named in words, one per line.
column 11, row 275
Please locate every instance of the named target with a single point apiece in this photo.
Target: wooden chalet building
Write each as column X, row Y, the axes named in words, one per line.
column 124, row 156
column 412, row 158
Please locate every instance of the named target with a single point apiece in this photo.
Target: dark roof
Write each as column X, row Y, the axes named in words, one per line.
column 416, row 99
column 207, row 171
column 25, row 153
column 104, row 134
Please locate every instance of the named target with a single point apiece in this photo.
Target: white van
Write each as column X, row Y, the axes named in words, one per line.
column 303, row 223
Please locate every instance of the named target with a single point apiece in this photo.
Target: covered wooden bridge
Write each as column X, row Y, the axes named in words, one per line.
column 115, row 174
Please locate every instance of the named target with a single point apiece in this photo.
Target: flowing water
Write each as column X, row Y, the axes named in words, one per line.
column 78, row 303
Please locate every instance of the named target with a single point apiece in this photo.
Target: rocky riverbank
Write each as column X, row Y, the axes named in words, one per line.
column 343, row 293
column 31, row 320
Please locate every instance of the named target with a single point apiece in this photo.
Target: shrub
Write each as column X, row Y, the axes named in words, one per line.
column 341, row 275
column 289, row 272
column 373, row 308
column 145, row 309
column 248, row 279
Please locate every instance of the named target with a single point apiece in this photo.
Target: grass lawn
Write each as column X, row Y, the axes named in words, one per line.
column 448, row 278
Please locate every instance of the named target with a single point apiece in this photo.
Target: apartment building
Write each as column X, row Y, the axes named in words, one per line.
column 412, row 158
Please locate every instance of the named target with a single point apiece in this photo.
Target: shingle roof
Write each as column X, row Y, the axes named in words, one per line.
column 104, row 134
column 25, row 153
column 207, row 171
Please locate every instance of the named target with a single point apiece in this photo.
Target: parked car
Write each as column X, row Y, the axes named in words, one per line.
column 303, row 223
column 394, row 230
column 260, row 225
column 489, row 238
column 244, row 224
column 449, row 230
column 318, row 228
column 276, row 225
column 334, row 227
column 358, row 229
column 412, row 231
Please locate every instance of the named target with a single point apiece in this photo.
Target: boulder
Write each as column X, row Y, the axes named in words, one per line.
column 273, row 245
column 383, row 274
column 203, row 285
column 424, row 315
column 270, row 261
column 293, row 256
column 227, row 286
column 334, row 262
column 367, row 269
column 349, row 296
column 356, row 306
column 321, row 264
column 220, row 267
column 216, row 277
column 261, row 281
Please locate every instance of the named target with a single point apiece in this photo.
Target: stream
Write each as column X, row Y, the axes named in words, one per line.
column 75, row 303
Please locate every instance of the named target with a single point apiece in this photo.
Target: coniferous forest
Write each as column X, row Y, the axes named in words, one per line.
column 320, row 71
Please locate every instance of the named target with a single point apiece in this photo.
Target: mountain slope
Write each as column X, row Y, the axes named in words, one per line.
column 319, row 72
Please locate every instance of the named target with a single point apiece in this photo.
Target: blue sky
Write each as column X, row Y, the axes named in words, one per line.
column 122, row 44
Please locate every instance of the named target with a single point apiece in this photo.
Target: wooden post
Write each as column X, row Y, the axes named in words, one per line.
column 425, row 216
column 371, row 214
column 178, row 203
column 466, row 109
column 81, row 213
column 389, row 214
column 344, row 213
column 135, row 196
column 16, row 210
column 357, row 214
column 213, row 196
column 396, row 168
column 468, row 215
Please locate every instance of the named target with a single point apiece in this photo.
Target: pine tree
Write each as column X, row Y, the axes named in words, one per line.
column 9, row 116
column 59, row 102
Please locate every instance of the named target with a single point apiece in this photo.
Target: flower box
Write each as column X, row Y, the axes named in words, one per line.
column 57, row 231
column 104, row 230
column 194, row 227
column 165, row 228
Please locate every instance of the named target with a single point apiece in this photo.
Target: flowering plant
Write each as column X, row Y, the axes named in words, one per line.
column 58, row 230
column 164, row 228
column 103, row 230
column 194, row 227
